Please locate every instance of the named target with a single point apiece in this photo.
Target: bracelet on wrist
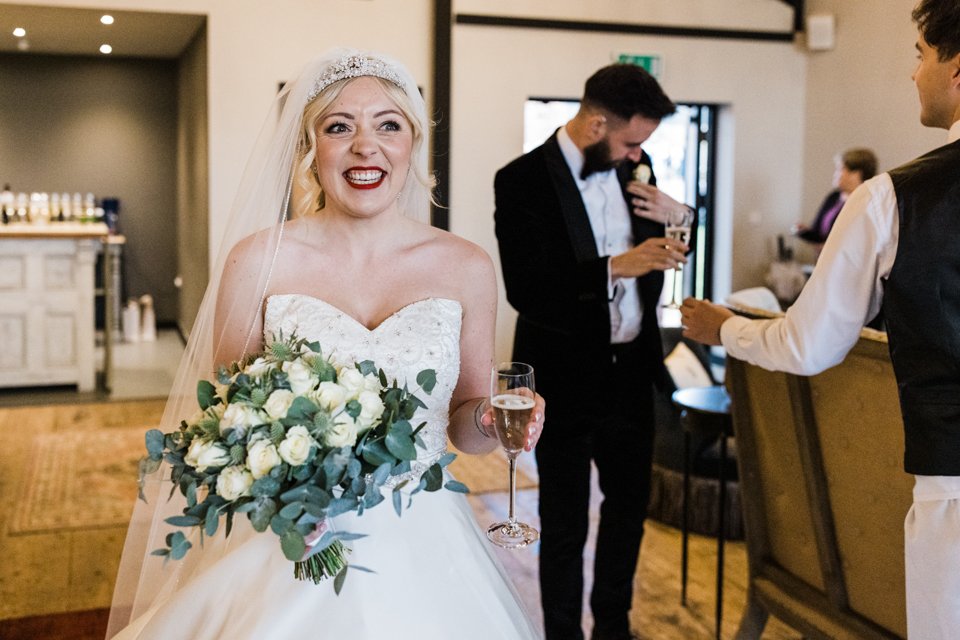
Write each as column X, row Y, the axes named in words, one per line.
column 477, row 414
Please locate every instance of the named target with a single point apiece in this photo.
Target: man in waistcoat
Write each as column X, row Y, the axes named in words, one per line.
column 896, row 243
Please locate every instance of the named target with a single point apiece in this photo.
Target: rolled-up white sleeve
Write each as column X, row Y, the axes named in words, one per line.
column 843, row 294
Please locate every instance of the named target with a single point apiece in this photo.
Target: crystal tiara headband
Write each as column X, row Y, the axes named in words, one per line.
column 355, row 66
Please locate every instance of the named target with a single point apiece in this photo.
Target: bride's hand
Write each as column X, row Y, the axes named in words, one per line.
column 535, row 426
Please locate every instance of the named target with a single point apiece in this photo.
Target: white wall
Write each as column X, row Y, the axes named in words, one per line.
column 761, row 84
column 860, row 94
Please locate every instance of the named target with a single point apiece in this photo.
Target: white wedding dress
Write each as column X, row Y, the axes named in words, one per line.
column 436, row 577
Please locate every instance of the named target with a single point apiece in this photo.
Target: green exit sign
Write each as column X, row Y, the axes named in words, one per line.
column 652, row 63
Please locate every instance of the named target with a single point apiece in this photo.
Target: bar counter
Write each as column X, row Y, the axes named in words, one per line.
column 47, row 291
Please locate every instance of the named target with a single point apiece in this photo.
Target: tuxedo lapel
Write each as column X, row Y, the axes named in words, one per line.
column 571, row 202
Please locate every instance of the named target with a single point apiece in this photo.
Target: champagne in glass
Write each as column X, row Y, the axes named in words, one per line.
column 679, row 223
column 512, row 397
column 512, row 413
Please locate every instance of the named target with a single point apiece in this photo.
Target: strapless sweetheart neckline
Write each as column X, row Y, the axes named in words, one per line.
column 358, row 323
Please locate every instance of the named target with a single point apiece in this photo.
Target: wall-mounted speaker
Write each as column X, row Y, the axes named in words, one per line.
column 821, row 31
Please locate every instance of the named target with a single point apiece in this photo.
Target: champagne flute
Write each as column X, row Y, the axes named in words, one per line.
column 679, row 223
column 513, row 399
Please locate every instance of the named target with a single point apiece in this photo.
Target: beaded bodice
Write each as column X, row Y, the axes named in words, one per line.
column 422, row 335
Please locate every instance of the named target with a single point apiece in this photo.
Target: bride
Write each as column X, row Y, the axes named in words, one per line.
column 328, row 242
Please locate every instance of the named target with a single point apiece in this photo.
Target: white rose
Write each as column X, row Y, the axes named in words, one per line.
column 241, row 417
column 371, row 408
column 279, row 403
column 262, row 456
column 371, row 382
column 257, row 367
column 295, row 448
column 342, row 433
column 204, row 453
column 234, row 482
column 302, row 378
column 330, row 395
column 351, row 380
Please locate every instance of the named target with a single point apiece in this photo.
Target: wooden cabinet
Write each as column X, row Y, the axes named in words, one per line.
column 47, row 332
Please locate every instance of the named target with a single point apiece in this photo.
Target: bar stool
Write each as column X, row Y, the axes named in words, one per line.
column 704, row 411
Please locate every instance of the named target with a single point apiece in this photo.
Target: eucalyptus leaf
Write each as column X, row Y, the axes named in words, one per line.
column 381, row 474
column 262, row 513
column 348, row 536
column 376, row 453
column 148, row 465
column 179, row 545
column 280, row 525
column 372, row 499
column 212, row 521
column 446, row 459
column 341, row 505
column 397, row 501
column 353, row 468
column 183, row 521
column 340, row 579
column 432, row 478
column 458, row 487
column 400, row 443
column 265, row 487
column 367, row 368
column 427, row 379
column 293, row 545
column 206, row 394
column 353, row 409
column 301, row 411
column 154, row 442
column 292, row 510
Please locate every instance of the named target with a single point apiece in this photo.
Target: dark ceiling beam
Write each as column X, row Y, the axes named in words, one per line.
column 797, row 13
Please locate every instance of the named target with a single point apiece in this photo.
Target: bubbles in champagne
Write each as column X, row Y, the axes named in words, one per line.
column 512, row 414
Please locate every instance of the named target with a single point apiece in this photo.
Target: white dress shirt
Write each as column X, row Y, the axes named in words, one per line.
column 843, row 294
column 610, row 223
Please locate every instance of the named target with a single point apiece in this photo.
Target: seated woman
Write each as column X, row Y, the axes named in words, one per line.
column 853, row 167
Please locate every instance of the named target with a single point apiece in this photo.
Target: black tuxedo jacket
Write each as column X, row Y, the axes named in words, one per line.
column 557, row 281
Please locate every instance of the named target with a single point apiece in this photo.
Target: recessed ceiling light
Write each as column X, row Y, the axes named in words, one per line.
column 105, row 48
column 19, row 32
column 106, row 19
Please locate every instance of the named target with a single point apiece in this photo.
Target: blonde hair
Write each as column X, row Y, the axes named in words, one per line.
column 309, row 197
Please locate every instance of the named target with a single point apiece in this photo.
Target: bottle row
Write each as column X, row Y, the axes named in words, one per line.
column 42, row 208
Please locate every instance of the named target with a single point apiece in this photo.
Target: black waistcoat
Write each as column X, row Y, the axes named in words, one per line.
column 921, row 302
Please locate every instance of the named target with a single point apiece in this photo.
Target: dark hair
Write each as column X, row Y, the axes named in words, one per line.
column 939, row 23
column 861, row 160
column 627, row 90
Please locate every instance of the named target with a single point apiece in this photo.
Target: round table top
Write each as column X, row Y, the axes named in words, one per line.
column 712, row 400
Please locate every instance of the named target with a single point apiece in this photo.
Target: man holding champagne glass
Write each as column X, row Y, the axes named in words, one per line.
column 896, row 243
column 583, row 250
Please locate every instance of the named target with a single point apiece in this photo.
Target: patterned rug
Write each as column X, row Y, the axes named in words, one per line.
column 79, row 480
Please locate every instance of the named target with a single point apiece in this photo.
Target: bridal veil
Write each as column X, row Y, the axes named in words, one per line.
column 266, row 197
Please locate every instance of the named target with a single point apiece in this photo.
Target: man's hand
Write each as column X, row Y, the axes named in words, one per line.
column 650, row 202
column 702, row 320
column 653, row 254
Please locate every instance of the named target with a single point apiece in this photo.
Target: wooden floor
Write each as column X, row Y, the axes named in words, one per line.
column 56, row 586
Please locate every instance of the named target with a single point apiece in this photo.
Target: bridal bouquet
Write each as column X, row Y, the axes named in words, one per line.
column 292, row 440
